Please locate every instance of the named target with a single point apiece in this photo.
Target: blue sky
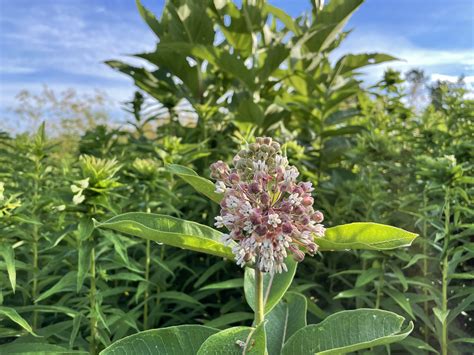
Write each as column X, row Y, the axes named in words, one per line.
column 62, row 43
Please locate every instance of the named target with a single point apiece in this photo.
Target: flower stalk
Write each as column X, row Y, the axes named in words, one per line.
column 259, row 303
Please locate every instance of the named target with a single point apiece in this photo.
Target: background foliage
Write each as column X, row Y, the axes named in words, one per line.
column 224, row 73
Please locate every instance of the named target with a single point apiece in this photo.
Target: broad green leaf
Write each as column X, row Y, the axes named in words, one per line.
column 200, row 184
column 288, row 316
column 270, row 59
column 172, row 61
column 351, row 62
column 365, row 235
column 249, row 111
column 274, row 285
column 8, row 254
column 286, row 19
column 171, row 231
column 236, row 32
column 183, row 340
column 348, row 331
column 67, row 283
column 236, row 341
column 330, row 22
column 341, row 116
column 150, row 19
column 13, row 315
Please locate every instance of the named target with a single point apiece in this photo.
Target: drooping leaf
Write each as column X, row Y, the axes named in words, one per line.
column 274, row 285
column 365, row 235
column 183, row 339
column 348, row 331
column 13, row 315
column 171, row 231
column 8, row 254
column 351, row 62
column 288, row 316
column 67, row 283
column 200, row 184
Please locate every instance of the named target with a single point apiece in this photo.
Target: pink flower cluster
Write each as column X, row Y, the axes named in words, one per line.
column 267, row 212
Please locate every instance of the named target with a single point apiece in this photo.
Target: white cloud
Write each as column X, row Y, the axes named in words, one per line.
column 452, row 63
column 469, row 80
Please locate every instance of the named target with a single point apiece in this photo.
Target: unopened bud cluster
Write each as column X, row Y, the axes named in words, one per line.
column 268, row 213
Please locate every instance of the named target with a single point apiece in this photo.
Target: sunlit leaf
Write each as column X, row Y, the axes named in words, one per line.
column 348, row 331
column 171, row 231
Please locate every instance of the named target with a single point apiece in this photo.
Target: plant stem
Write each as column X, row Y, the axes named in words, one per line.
column 92, row 294
column 147, row 278
column 34, row 291
column 445, row 267
column 380, row 286
column 425, row 267
column 35, row 236
column 259, row 305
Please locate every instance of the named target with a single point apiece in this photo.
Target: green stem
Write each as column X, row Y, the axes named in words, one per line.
column 92, row 300
column 380, row 286
column 35, row 236
column 34, row 291
column 445, row 267
column 259, row 304
column 147, row 278
column 425, row 268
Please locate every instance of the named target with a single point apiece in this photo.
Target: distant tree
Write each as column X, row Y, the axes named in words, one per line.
column 417, row 81
column 67, row 113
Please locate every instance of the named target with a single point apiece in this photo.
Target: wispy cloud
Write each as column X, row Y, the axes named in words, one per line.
column 435, row 62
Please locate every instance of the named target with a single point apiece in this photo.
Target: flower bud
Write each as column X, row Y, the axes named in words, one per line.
column 234, row 178
column 305, row 220
column 318, row 217
column 254, row 147
column 308, row 201
column 298, row 255
column 287, row 228
column 261, row 229
column 267, row 140
column 256, row 218
column 265, row 198
column 298, row 190
column 255, row 188
column 299, row 210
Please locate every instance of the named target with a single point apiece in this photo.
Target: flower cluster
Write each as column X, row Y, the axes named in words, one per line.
column 267, row 212
column 78, row 188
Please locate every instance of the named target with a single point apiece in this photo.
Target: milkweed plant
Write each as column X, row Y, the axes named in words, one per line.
column 271, row 223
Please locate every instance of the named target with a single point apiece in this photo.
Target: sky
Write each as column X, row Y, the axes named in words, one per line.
column 63, row 43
